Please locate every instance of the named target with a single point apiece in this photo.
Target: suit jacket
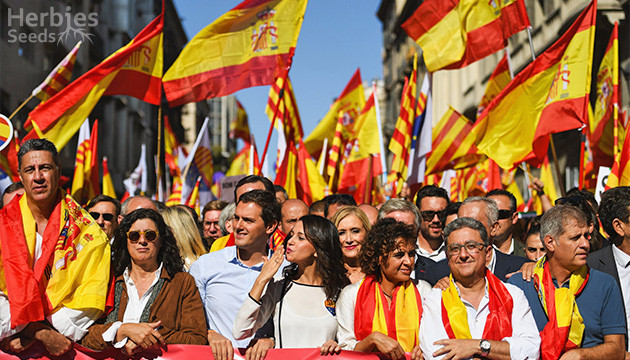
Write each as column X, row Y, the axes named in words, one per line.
column 504, row 265
column 604, row 261
column 421, row 266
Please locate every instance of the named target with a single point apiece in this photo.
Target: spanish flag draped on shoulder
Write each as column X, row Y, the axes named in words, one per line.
column 247, row 46
column 549, row 96
column 59, row 118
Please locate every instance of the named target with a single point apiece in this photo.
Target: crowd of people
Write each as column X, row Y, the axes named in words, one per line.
column 429, row 277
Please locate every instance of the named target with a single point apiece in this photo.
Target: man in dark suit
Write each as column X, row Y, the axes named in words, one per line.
column 614, row 215
column 487, row 212
column 504, row 240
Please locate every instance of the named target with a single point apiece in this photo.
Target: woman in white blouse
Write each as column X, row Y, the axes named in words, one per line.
column 302, row 303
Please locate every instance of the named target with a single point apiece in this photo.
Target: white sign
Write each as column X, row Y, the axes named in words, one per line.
column 602, row 179
column 228, row 183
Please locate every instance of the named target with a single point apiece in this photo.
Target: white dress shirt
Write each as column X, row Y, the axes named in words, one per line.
column 622, row 261
column 69, row 322
column 524, row 342
column 493, row 261
column 437, row 255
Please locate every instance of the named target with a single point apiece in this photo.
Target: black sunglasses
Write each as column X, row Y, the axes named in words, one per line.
column 106, row 216
column 428, row 215
column 505, row 214
column 134, row 236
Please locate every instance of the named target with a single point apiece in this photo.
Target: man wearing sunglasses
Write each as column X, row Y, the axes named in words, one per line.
column 431, row 201
column 55, row 269
column 105, row 209
column 477, row 315
column 504, row 240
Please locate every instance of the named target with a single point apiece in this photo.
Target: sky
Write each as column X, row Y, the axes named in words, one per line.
column 337, row 37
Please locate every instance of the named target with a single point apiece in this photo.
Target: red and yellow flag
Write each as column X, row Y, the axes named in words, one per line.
column 550, row 95
column 499, row 79
column 456, row 33
column 299, row 176
column 288, row 117
column 59, row 77
column 602, row 129
column 239, row 127
column 620, row 172
column 85, row 184
column 453, row 144
column 334, row 155
column 349, row 103
column 108, row 184
column 59, row 118
column 8, row 155
column 247, row 46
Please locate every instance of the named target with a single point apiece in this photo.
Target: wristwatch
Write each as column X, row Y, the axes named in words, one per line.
column 485, row 347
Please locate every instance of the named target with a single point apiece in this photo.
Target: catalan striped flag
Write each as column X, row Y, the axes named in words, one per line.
column 247, row 46
column 421, row 138
column 456, row 33
column 550, row 95
column 176, row 194
column 198, row 164
column 59, row 77
column 193, row 200
column 108, row 184
column 606, row 107
column 85, row 184
column 498, row 81
column 288, row 124
column 453, row 144
column 350, row 103
column 400, row 143
column 334, row 156
column 59, row 118
column 239, row 126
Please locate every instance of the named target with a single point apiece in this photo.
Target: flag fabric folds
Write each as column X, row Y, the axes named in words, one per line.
column 421, row 143
column 245, row 47
column 299, row 176
column 59, row 77
column 199, row 164
column 620, row 172
column 136, row 183
column 499, row 79
column 549, row 95
column 85, row 184
column 288, row 123
column 59, row 118
column 239, row 126
column 456, row 33
column 108, row 184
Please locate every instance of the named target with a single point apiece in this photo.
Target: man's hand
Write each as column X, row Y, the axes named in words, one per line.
column 221, row 347
column 416, row 353
column 53, row 341
column 257, row 349
column 443, row 283
column 457, row 348
column 16, row 343
column 143, row 334
column 387, row 345
column 573, row 355
column 329, row 347
column 130, row 348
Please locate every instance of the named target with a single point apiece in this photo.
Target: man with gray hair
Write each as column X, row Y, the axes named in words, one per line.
column 578, row 311
column 474, row 291
column 133, row 203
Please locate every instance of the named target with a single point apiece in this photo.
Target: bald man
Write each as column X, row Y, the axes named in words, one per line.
column 134, row 203
column 370, row 211
column 292, row 211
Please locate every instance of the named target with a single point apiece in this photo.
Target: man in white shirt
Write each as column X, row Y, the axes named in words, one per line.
column 431, row 201
column 456, row 322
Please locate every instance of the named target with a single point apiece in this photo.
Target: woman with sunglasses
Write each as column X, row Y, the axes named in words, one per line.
column 387, row 293
column 302, row 304
column 352, row 225
column 154, row 301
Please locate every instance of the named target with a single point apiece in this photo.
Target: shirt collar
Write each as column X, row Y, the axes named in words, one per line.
column 158, row 273
column 436, row 252
column 621, row 258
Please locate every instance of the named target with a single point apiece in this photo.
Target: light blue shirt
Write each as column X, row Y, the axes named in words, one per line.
column 224, row 282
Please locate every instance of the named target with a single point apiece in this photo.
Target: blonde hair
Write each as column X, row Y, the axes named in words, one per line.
column 186, row 234
column 352, row 210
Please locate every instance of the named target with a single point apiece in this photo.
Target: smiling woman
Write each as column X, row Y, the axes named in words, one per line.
column 352, row 225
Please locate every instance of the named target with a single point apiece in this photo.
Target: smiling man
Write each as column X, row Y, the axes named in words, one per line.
column 578, row 310
column 225, row 277
column 477, row 315
column 431, row 201
column 55, row 259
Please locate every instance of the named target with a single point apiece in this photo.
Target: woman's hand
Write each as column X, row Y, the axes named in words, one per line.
column 144, row 335
column 416, row 353
column 258, row 349
column 269, row 269
column 329, row 347
column 387, row 345
column 220, row 345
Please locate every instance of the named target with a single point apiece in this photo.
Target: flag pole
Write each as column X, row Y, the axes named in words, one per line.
column 582, row 149
column 531, row 43
column 21, row 106
column 555, row 163
column 160, row 165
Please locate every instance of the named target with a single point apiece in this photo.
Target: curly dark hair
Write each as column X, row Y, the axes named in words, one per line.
column 168, row 255
column 384, row 237
column 615, row 204
column 324, row 236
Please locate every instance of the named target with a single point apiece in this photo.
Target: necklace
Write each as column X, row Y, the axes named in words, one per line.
column 386, row 294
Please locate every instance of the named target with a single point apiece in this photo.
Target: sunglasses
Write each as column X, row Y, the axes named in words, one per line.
column 106, row 216
column 505, row 214
column 428, row 215
column 134, row 236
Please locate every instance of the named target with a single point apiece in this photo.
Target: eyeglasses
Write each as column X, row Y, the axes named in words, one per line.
column 106, row 216
column 428, row 215
column 505, row 214
column 472, row 247
column 134, row 236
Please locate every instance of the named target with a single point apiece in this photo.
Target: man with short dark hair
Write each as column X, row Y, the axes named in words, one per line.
column 281, row 193
column 225, row 277
column 317, row 208
column 252, row 182
column 431, row 201
column 11, row 191
column 504, row 240
column 335, row 202
column 105, row 210
column 55, row 259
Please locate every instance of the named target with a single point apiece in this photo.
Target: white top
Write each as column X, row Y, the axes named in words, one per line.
column 622, row 261
column 69, row 322
column 524, row 342
column 493, row 260
column 345, row 312
column 437, row 255
column 511, row 250
column 305, row 321
column 134, row 309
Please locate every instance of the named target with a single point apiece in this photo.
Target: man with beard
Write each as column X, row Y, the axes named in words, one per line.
column 504, row 240
column 431, row 201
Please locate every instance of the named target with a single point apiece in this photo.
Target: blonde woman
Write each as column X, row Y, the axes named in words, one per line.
column 186, row 234
column 352, row 225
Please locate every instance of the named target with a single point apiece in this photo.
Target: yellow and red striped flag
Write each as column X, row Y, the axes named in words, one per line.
column 85, row 184
column 193, row 198
column 349, row 103
column 241, row 164
column 288, row 118
column 456, row 33
column 176, row 194
column 550, row 95
column 602, row 129
column 453, row 144
column 239, row 126
column 400, row 144
column 59, row 77
column 108, row 184
column 59, row 118
column 299, row 176
column 334, row 155
column 620, row 172
column 247, row 46
column 498, row 81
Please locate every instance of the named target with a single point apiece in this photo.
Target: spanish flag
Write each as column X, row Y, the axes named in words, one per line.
column 620, row 172
column 349, row 103
column 456, row 33
column 299, row 176
column 108, row 184
column 499, row 79
column 85, row 184
column 247, row 46
column 550, row 95
column 242, row 162
column 239, row 126
column 606, row 107
column 59, row 118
